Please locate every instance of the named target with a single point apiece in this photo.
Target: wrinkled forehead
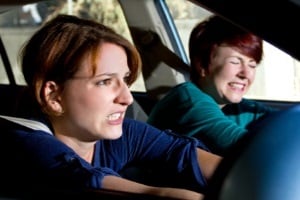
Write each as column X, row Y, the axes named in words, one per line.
column 108, row 58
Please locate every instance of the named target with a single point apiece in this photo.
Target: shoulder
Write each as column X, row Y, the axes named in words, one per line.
column 186, row 92
column 186, row 87
column 28, row 140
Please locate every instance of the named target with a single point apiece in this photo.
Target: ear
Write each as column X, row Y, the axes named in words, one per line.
column 51, row 95
column 200, row 70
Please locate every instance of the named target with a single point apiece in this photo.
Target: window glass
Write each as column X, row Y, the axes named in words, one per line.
column 277, row 76
column 17, row 24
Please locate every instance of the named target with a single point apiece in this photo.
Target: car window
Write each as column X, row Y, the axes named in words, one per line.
column 18, row 24
column 277, row 76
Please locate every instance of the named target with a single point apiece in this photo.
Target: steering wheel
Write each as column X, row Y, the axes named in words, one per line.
column 265, row 164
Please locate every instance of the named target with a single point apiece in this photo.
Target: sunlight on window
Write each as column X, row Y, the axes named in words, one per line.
column 19, row 24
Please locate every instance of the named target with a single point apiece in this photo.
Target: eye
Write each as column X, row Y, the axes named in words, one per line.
column 252, row 65
column 127, row 80
column 234, row 60
column 104, row 82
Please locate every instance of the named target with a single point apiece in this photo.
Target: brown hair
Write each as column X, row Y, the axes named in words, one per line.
column 57, row 49
column 217, row 31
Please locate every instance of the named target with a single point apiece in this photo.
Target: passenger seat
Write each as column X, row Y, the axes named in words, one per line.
column 135, row 111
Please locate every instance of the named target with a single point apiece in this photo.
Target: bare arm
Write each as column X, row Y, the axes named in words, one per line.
column 124, row 185
column 208, row 162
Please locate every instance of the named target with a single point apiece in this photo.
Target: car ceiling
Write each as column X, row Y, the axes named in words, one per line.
column 275, row 21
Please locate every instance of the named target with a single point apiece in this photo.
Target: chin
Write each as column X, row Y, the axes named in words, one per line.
column 235, row 100
column 114, row 134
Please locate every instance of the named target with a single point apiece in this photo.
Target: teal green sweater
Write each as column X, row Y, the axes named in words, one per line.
column 187, row 110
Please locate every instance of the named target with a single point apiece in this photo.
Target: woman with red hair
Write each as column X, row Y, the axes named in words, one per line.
column 211, row 107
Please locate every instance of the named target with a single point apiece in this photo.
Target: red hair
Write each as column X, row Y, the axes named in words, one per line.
column 216, row 31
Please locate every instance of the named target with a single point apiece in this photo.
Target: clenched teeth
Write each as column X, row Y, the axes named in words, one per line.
column 114, row 116
column 237, row 85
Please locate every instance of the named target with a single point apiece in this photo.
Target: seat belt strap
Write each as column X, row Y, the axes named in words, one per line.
column 32, row 124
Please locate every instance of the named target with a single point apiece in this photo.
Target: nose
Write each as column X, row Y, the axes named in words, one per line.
column 247, row 72
column 125, row 96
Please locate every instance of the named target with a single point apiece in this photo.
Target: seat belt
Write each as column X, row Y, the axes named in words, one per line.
column 32, row 124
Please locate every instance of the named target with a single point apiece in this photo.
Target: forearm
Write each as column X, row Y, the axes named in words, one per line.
column 208, row 162
column 211, row 124
column 124, row 185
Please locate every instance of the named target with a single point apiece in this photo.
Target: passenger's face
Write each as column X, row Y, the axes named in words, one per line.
column 229, row 75
column 94, row 107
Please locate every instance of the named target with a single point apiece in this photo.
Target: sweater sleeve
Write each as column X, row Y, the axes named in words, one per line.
column 36, row 159
column 201, row 117
column 174, row 155
column 187, row 110
column 206, row 120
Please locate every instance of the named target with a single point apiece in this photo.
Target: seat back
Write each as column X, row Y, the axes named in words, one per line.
column 135, row 111
column 11, row 97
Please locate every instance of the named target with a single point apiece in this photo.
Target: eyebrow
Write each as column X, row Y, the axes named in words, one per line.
column 111, row 74
column 241, row 58
column 97, row 75
column 105, row 74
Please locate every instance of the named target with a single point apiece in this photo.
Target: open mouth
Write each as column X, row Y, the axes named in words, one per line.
column 114, row 116
column 238, row 86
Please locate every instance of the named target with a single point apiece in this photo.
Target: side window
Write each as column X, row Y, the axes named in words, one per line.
column 19, row 23
column 277, row 77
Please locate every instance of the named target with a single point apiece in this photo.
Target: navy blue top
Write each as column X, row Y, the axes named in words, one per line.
column 35, row 158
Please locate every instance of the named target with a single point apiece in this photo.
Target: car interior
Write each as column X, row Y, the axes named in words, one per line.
column 165, row 64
